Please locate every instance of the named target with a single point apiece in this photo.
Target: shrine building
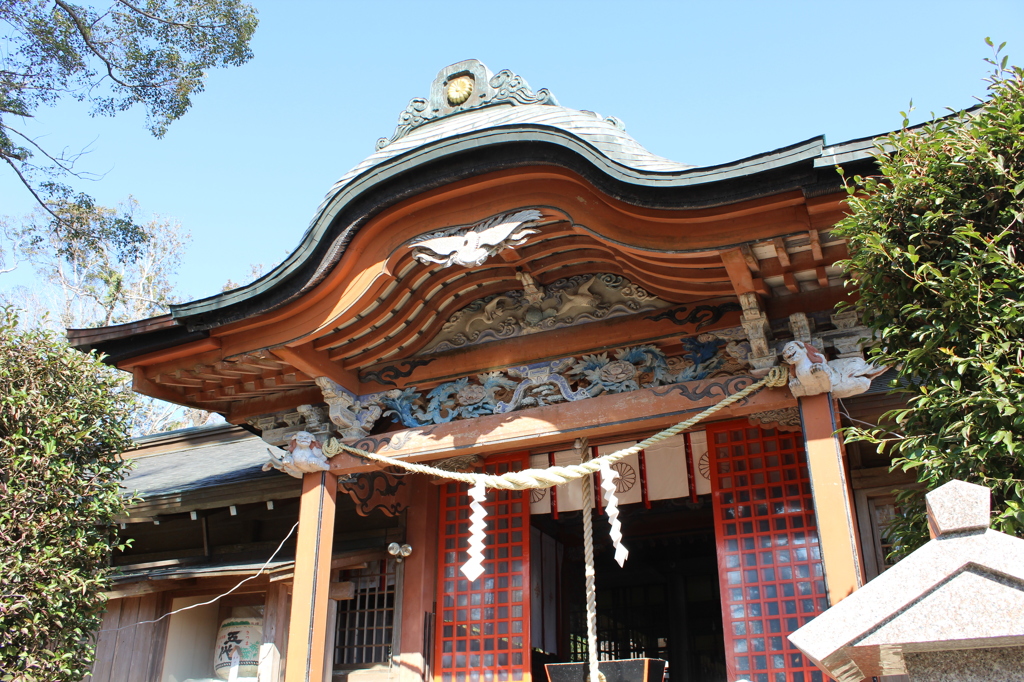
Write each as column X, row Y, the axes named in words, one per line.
column 501, row 277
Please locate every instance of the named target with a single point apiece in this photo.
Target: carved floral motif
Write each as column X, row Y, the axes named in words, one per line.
column 563, row 380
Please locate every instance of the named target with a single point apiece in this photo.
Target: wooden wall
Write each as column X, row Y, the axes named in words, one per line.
column 126, row 652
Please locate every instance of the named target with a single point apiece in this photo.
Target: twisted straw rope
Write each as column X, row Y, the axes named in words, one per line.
column 557, row 475
column 590, row 575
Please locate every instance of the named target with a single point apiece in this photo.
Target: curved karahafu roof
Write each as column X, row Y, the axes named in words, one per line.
column 501, row 111
column 356, row 296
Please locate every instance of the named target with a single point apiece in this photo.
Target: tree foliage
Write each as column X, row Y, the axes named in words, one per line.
column 935, row 253
column 64, row 419
column 150, row 53
column 84, row 281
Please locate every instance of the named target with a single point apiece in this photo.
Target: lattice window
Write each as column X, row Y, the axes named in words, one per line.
column 366, row 622
column 484, row 633
column 632, row 622
column 770, row 567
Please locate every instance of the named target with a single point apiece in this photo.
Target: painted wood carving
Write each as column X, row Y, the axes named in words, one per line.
column 304, row 455
column 813, row 374
column 383, row 490
column 471, row 246
column 564, row 303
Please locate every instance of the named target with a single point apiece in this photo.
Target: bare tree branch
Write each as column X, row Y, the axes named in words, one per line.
column 168, row 22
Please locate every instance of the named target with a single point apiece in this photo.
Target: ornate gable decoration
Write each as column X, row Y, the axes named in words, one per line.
column 471, row 246
column 566, row 302
column 461, row 87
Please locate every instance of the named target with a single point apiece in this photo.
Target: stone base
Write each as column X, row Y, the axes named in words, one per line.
column 1005, row 664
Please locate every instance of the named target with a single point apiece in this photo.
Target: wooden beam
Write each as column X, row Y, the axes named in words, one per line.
column 148, row 587
column 739, row 274
column 750, row 258
column 837, row 526
column 642, row 412
column 780, row 251
column 790, row 281
column 194, row 348
column 596, row 337
column 317, row 364
column 822, row 276
column 815, row 244
column 140, row 384
column 253, row 407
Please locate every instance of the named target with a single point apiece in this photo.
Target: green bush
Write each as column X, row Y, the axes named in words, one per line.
column 64, row 419
column 934, row 252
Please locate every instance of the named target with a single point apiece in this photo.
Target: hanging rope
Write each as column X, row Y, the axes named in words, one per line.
column 588, row 558
column 558, row 475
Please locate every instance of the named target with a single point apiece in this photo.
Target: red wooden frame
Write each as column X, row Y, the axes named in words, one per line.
column 483, row 632
column 769, row 561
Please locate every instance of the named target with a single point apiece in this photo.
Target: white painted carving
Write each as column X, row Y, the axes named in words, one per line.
column 813, row 374
column 353, row 415
column 563, row 303
column 471, row 246
column 304, row 455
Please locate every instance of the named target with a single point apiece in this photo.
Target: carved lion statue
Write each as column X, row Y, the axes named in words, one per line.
column 814, row 374
column 304, row 456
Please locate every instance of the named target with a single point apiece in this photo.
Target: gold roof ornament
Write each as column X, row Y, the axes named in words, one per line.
column 459, row 90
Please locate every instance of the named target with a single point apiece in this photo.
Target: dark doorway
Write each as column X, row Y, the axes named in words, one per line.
column 664, row 603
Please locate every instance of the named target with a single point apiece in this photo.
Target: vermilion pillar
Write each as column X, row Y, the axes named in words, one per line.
column 310, row 594
column 837, row 526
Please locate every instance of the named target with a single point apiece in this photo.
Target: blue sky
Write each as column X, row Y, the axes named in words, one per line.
column 703, row 83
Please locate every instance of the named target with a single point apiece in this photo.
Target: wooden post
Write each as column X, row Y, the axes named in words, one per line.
column 307, row 627
column 275, row 620
column 419, row 577
column 832, row 502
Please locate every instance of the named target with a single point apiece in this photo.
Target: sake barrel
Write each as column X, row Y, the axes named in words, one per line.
column 245, row 634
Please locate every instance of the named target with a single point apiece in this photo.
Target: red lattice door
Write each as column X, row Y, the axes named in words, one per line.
column 769, row 561
column 484, row 633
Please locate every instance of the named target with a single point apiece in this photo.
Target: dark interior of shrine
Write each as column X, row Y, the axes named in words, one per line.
column 664, row 603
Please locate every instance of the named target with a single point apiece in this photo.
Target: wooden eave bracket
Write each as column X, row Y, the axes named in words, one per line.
column 316, row 363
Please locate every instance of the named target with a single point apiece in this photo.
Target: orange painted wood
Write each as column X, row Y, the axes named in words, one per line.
column 315, row 363
column 464, row 202
column 769, row 559
column 420, row 576
column 739, row 273
column 140, row 384
column 836, row 518
column 310, row 594
column 558, row 343
column 804, row 260
column 238, row 413
column 173, row 353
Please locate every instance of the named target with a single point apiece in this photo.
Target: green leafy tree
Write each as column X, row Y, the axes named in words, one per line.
column 935, row 243
column 64, row 420
column 150, row 53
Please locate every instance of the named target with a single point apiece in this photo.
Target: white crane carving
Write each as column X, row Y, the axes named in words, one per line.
column 472, row 246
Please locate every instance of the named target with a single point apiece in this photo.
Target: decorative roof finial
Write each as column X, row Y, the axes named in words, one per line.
column 461, row 87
